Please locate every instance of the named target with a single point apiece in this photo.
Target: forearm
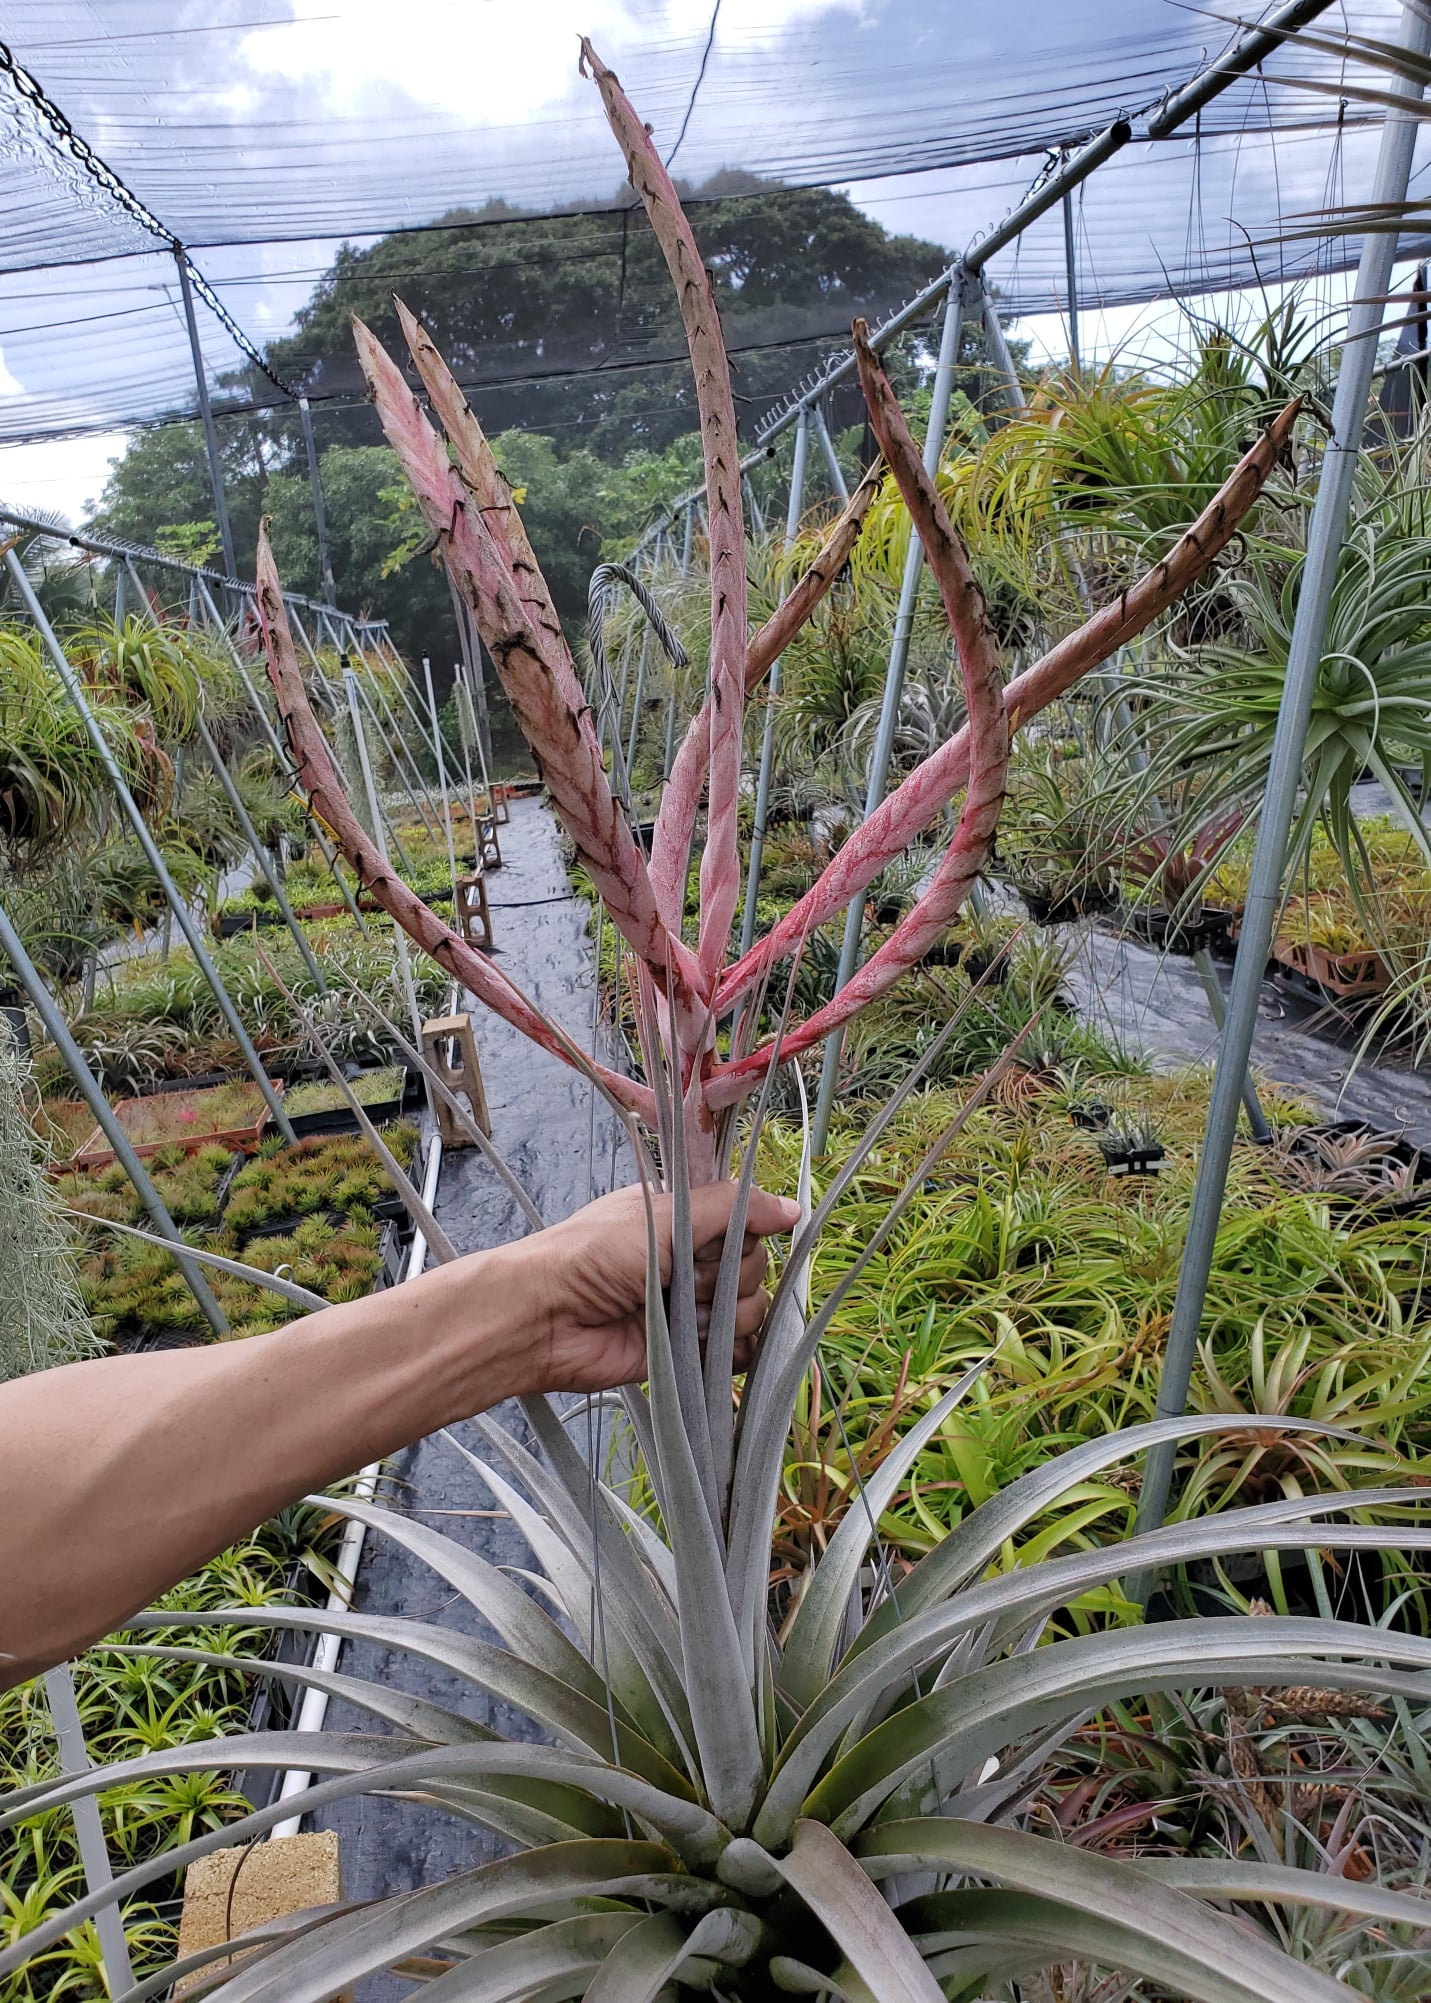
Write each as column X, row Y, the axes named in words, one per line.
column 120, row 1476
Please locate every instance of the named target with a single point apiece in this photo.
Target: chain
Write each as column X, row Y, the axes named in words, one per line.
column 78, row 148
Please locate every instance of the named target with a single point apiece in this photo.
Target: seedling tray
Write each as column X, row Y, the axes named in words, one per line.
column 186, row 1119
column 1344, row 976
column 342, row 1119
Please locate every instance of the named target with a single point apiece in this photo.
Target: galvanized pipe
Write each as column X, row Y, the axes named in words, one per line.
column 999, row 347
column 350, row 684
column 280, row 751
column 893, row 686
column 1070, row 265
column 320, row 516
column 88, row 1086
column 261, row 856
column 442, row 782
column 147, row 843
column 793, row 511
column 1284, row 777
column 241, row 814
column 827, row 448
column 206, row 416
column 118, row 1971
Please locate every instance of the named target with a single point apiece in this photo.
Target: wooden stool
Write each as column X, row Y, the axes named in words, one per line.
column 451, row 1049
column 473, row 910
column 491, row 855
column 232, row 1892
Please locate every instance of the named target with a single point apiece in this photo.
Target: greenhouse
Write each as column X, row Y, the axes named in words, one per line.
column 715, row 1002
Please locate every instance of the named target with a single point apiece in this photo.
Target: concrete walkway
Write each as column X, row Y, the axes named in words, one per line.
column 543, row 1123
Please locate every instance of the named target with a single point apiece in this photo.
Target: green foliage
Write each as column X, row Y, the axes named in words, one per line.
column 41, row 1319
column 1021, row 1247
column 130, row 1704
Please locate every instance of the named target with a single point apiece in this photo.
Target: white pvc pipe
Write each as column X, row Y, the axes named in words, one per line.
column 314, row 1709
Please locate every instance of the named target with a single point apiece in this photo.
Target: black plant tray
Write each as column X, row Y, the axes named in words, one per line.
column 1133, row 1161
column 343, row 1120
column 947, row 953
column 228, row 924
column 1063, row 910
column 383, row 1210
column 1170, row 934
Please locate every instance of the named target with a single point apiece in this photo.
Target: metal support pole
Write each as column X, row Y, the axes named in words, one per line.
column 467, row 730
column 148, row 844
column 261, row 856
column 350, row 683
column 58, row 1031
column 894, row 679
column 241, row 813
column 470, row 648
column 772, row 695
column 320, row 518
column 757, row 519
column 1070, row 265
column 89, row 1830
column 687, row 539
column 638, row 696
column 206, row 415
column 442, row 782
column 827, row 448
column 1212, row 988
column 1284, row 777
column 280, row 752
column 119, row 570
column 999, row 348
column 391, row 746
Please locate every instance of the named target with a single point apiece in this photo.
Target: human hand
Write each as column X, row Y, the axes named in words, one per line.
column 589, row 1281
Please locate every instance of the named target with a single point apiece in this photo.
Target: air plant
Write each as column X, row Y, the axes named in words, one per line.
column 721, row 1809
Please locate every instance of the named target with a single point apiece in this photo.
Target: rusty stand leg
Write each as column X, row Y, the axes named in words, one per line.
column 450, row 1048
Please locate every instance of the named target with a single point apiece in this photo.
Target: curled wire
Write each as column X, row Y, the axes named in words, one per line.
column 603, row 578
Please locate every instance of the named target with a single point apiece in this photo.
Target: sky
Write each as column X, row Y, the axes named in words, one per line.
column 265, row 131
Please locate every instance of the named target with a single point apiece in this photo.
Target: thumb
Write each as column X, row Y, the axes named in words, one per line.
column 769, row 1214
column 713, row 1202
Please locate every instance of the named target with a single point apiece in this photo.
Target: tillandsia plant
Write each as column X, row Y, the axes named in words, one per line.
column 720, row 1808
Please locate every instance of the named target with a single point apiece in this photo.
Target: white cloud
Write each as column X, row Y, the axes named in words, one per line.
column 63, row 474
column 484, row 61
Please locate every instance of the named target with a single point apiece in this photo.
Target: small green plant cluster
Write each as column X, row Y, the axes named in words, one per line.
column 188, row 1182
column 337, row 1174
column 1023, row 1248
column 158, row 1018
column 370, row 1088
column 308, row 1210
column 132, row 1704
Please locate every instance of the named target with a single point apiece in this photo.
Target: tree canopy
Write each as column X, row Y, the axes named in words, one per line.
column 564, row 332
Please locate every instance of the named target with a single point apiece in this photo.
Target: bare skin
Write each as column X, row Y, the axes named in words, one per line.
column 121, row 1476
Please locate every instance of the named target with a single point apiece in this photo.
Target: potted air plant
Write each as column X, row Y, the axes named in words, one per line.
column 721, row 1808
column 1163, row 865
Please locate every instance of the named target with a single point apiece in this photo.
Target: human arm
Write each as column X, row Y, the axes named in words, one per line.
column 119, row 1477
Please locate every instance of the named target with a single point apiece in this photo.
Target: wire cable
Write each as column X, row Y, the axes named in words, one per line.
column 696, row 86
